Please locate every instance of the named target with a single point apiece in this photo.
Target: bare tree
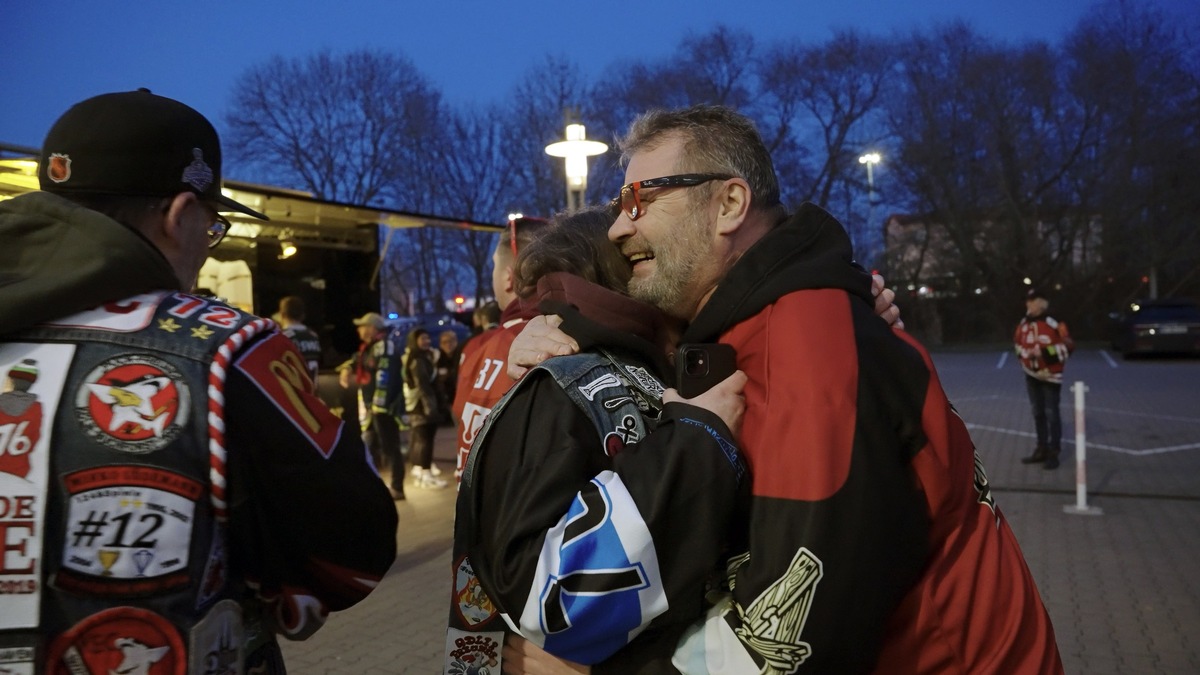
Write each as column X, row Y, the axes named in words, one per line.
column 344, row 127
column 1134, row 73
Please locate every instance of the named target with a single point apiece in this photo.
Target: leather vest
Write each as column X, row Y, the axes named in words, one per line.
column 112, row 491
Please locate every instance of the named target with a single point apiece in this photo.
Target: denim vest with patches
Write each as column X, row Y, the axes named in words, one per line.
column 112, row 469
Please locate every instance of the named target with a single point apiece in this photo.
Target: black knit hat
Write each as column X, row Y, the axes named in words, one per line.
column 134, row 143
column 1035, row 293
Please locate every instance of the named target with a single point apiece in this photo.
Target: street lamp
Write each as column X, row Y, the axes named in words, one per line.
column 870, row 159
column 575, row 150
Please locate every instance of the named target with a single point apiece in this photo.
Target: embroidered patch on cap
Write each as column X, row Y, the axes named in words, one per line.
column 198, row 174
column 58, row 169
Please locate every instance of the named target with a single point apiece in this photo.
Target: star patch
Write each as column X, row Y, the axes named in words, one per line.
column 202, row 332
column 168, row 325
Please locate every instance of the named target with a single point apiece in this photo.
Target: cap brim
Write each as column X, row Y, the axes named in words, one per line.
column 234, row 206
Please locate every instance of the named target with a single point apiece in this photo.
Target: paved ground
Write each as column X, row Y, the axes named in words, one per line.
column 1122, row 588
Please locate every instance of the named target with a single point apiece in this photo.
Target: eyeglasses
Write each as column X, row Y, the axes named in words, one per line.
column 219, row 227
column 630, row 200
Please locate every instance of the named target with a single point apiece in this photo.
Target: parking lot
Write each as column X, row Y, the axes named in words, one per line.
column 1121, row 587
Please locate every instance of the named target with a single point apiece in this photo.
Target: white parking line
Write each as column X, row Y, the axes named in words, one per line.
column 1003, row 358
column 1101, row 446
column 1108, row 358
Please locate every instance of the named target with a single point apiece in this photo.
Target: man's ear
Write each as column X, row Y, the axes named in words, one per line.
column 733, row 205
column 508, row 279
column 173, row 222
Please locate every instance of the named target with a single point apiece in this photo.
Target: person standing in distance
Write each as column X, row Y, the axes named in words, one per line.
column 183, row 495
column 291, row 320
column 1043, row 344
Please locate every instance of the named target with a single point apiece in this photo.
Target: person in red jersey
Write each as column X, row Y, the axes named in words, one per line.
column 1043, row 344
column 482, row 370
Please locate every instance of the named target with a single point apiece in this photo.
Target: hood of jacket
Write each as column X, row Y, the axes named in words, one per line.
column 598, row 317
column 808, row 250
column 58, row 258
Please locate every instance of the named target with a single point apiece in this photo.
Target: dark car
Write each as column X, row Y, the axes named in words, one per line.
column 1169, row 326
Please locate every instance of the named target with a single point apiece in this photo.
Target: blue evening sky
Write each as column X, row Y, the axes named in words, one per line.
column 57, row 53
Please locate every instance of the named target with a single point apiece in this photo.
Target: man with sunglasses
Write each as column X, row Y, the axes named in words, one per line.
column 482, row 370
column 874, row 542
column 172, row 491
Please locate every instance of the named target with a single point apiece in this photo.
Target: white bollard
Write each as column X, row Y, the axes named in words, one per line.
column 1080, row 507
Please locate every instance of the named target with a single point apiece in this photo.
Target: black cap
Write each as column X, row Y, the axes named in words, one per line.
column 134, row 143
column 1035, row 293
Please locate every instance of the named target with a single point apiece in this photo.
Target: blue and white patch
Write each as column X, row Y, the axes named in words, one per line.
column 597, row 583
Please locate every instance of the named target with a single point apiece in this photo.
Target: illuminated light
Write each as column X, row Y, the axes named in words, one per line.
column 575, row 151
column 870, row 158
column 459, row 300
column 1028, row 281
column 287, row 244
column 978, row 291
column 393, row 315
column 516, row 215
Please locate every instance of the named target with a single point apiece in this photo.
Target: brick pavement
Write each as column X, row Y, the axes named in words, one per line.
column 1121, row 588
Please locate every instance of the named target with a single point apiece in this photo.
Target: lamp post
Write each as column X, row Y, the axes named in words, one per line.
column 870, row 159
column 575, row 150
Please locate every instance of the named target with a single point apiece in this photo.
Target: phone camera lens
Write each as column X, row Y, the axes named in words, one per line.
column 695, row 362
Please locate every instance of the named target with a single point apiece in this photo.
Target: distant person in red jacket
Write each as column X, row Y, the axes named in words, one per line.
column 1043, row 344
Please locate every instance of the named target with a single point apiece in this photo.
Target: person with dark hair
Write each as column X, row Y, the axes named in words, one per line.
column 565, row 479
column 176, row 490
column 420, row 405
column 291, row 320
column 482, row 372
column 1043, row 344
column 485, row 317
column 874, row 541
column 447, row 356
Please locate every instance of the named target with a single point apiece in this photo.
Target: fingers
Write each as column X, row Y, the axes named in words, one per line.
column 877, row 284
column 539, row 340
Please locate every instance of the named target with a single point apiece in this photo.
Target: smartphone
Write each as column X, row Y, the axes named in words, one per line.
column 699, row 366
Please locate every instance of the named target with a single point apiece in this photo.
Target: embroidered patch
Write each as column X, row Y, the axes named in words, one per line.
column 31, row 381
column 58, row 169
column 470, row 653
column 119, row 640
column 646, row 380
column 616, row 440
column 474, row 607
column 133, row 403
column 123, row 316
column 128, row 530
column 278, row 370
column 198, row 174
column 216, row 643
column 17, row 659
column 603, row 382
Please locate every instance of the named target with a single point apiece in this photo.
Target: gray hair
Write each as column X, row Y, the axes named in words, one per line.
column 716, row 139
